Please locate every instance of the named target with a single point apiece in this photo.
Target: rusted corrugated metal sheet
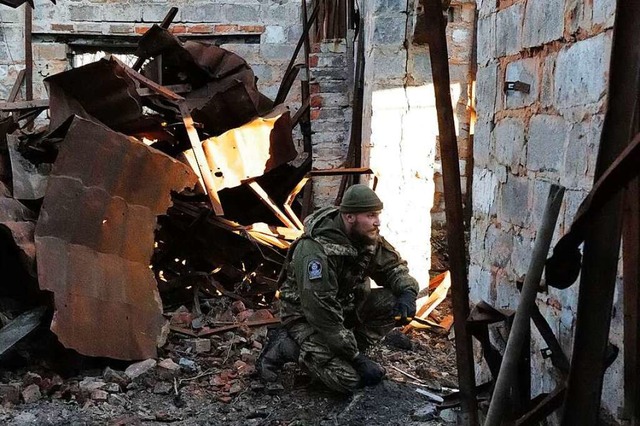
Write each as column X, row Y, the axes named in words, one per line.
column 101, row 90
column 95, row 238
column 251, row 150
column 224, row 95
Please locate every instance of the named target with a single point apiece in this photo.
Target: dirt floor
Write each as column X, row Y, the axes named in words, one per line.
column 191, row 384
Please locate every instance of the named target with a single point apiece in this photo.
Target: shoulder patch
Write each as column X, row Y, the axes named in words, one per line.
column 314, row 269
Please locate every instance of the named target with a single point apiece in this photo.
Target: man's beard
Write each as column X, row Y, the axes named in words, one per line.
column 365, row 238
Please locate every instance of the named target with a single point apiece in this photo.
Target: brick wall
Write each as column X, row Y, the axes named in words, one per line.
column 332, row 90
column 525, row 142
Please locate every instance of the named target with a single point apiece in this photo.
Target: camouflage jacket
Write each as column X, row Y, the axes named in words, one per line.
column 326, row 276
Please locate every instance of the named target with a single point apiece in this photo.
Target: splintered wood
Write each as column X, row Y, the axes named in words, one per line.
column 426, row 305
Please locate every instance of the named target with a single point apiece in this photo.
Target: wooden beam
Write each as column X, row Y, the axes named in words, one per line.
column 264, row 197
column 239, row 324
column 289, row 202
column 201, row 159
column 341, row 171
column 22, row 105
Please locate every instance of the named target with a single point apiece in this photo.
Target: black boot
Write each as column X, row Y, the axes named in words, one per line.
column 279, row 350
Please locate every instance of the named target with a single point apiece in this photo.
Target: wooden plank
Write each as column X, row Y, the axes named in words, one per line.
column 269, row 240
column 201, row 159
column 23, row 105
column 264, row 197
column 289, row 202
column 16, row 86
column 341, row 171
column 275, row 231
column 14, row 91
column 239, row 324
column 427, row 304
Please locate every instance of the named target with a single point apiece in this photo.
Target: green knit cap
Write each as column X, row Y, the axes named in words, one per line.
column 360, row 198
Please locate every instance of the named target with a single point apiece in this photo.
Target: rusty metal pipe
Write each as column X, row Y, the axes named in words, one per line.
column 453, row 207
column 518, row 333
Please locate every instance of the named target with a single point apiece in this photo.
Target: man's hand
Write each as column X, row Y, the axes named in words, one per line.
column 405, row 308
column 371, row 372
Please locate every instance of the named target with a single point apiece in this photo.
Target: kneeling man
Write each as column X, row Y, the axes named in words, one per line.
column 329, row 312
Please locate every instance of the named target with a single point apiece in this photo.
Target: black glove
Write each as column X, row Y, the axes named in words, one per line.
column 405, row 308
column 371, row 372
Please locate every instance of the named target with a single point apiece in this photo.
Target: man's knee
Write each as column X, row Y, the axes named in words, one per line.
column 378, row 306
column 335, row 372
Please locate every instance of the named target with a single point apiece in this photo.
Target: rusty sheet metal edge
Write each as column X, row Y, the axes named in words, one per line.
column 94, row 240
column 101, row 90
column 251, row 150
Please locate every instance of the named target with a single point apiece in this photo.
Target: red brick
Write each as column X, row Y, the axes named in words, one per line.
column 237, row 307
column 225, row 28
column 314, row 88
column 141, row 29
column 313, row 61
column 244, row 315
column 256, row 29
column 315, row 48
column 178, row 29
column 261, row 314
column 201, row 29
column 315, row 114
column 316, row 101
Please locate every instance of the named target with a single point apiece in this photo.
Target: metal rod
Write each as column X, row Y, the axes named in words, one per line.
column 521, row 323
column 548, row 405
column 166, row 23
column 435, row 29
column 602, row 242
column 303, row 37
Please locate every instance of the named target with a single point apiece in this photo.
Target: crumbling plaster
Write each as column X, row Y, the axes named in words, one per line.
column 525, row 142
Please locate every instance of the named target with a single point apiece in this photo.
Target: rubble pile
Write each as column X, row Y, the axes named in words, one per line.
column 149, row 218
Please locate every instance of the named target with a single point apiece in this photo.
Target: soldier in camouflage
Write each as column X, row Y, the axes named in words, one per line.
column 330, row 314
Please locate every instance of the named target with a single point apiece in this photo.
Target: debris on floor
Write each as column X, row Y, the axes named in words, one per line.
column 159, row 201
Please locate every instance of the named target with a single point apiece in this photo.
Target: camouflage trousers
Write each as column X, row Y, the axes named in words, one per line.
column 369, row 324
